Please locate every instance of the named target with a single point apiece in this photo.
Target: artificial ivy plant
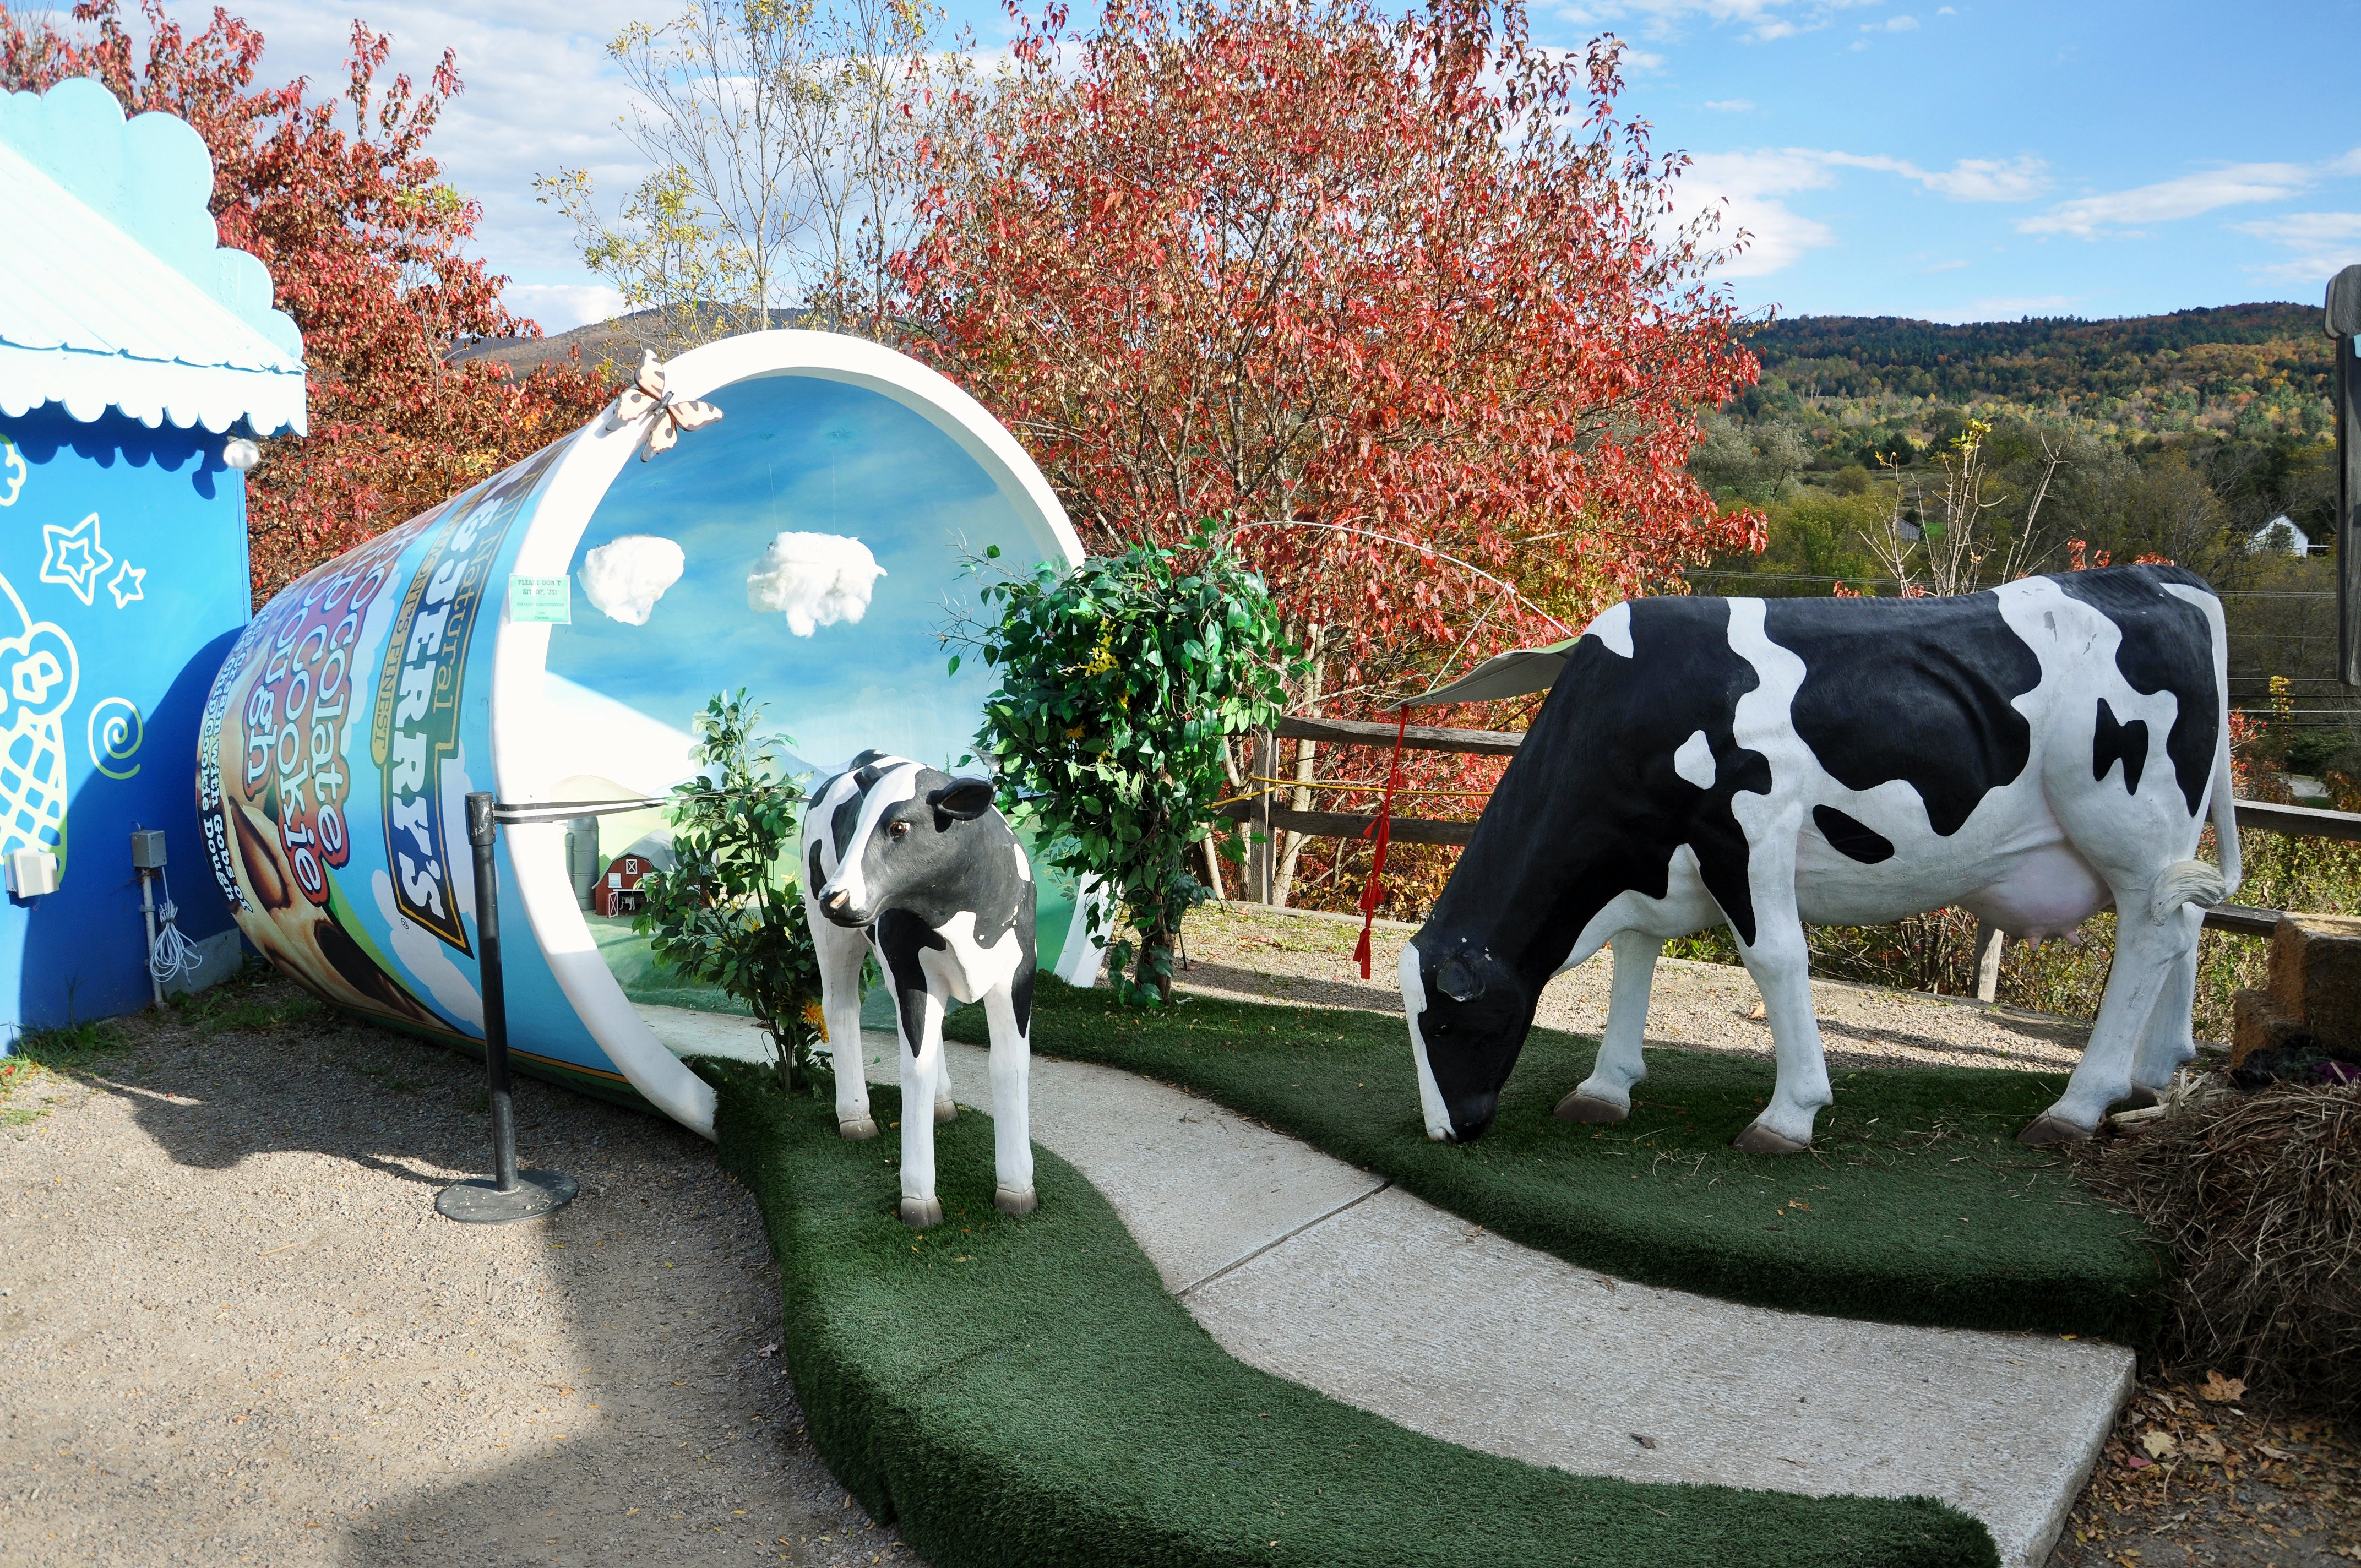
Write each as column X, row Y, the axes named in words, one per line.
column 1121, row 681
column 729, row 911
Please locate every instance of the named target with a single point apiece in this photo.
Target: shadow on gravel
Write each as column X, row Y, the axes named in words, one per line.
column 634, row 1321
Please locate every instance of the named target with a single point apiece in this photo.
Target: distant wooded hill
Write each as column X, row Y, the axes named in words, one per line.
column 2239, row 369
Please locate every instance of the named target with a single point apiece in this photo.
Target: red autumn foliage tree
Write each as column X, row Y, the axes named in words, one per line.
column 1292, row 259
column 364, row 243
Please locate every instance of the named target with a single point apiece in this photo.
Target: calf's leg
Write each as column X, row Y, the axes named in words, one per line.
column 1012, row 1122
column 922, row 1067
column 1605, row 1094
column 841, row 955
column 945, row 1108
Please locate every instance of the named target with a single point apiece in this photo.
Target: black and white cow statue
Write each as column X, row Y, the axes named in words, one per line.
column 919, row 867
column 2034, row 754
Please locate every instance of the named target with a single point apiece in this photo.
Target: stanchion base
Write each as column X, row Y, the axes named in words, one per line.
column 476, row 1201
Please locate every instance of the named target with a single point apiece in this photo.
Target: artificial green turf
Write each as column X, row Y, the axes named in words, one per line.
column 1917, row 1204
column 1024, row 1392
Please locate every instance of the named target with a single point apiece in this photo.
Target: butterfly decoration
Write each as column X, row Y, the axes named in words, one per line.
column 666, row 415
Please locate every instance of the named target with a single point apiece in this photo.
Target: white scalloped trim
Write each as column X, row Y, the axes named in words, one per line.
column 151, row 391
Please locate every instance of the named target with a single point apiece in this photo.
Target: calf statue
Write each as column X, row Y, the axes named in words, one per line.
column 920, row 868
column 2032, row 755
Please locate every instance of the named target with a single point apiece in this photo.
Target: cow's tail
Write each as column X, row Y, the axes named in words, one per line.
column 2225, row 819
column 2195, row 882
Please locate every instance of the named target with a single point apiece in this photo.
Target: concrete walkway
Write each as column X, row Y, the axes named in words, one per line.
column 1315, row 1271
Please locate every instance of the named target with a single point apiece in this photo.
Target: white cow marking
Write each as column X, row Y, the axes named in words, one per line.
column 965, row 968
column 894, row 787
column 1430, row 1098
column 1613, row 627
column 1693, row 761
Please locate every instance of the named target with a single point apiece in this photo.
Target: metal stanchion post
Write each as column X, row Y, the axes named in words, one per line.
column 510, row 1194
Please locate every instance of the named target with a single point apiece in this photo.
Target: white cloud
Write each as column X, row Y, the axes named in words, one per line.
column 1761, row 21
column 1745, row 189
column 541, row 94
column 2187, row 197
column 1731, row 106
column 2322, row 244
column 625, row 578
column 818, row 579
column 1969, row 180
column 426, row 958
column 1943, row 267
column 559, row 307
column 1892, row 25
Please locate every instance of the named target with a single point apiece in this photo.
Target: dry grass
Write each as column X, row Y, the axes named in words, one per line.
column 2260, row 1197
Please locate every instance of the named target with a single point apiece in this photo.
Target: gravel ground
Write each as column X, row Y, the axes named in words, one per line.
column 233, row 1330
column 1306, row 958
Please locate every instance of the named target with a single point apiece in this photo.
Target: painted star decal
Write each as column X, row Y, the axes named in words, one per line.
column 126, row 584
column 72, row 557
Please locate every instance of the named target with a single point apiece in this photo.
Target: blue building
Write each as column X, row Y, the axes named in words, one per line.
column 136, row 362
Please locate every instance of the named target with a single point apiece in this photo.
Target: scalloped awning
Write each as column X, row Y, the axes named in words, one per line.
column 92, row 319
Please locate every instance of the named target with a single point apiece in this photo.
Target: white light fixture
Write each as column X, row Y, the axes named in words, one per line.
column 32, row 872
column 240, row 453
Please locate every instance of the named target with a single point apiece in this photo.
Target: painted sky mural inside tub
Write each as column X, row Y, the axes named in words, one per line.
column 797, row 453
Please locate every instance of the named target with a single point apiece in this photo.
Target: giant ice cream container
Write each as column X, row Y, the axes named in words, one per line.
column 808, row 546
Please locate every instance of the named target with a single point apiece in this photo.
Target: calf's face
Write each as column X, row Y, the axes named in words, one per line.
column 1468, row 1016
column 903, row 846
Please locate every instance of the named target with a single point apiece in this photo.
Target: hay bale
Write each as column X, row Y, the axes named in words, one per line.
column 2260, row 1198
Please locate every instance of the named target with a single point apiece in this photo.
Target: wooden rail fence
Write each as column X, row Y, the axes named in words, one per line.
column 1270, row 819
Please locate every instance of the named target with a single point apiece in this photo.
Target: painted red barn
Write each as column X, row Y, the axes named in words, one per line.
column 617, row 891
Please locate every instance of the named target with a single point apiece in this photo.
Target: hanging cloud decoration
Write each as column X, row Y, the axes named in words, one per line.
column 626, row 577
column 818, row 579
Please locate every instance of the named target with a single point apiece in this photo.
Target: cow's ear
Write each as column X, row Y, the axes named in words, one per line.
column 1459, row 980
column 963, row 800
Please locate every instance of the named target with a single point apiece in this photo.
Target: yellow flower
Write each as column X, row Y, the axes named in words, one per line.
column 816, row 1019
column 1103, row 657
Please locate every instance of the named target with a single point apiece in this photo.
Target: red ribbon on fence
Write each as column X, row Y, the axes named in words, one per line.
column 1375, row 893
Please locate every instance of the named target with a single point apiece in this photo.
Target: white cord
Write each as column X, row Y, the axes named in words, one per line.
column 174, row 955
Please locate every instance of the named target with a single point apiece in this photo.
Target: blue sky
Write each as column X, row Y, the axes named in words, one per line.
column 1963, row 161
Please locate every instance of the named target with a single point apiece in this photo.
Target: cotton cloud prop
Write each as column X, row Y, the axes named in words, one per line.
column 818, row 579
column 625, row 578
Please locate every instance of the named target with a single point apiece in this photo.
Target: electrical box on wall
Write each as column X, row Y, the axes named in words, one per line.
column 32, row 872
column 148, row 848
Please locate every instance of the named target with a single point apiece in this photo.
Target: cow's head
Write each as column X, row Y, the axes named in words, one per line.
column 903, row 848
column 1468, row 1016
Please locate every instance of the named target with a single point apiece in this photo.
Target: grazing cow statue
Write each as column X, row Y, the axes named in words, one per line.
column 2034, row 754
column 919, row 867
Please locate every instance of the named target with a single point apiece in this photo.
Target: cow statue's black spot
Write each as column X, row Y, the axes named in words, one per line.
column 1850, row 837
column 1921, row 690
column 2122, row 743
column 2168, row 645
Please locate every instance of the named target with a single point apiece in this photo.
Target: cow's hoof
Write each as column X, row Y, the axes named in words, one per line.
column 864, row 1128
column 945, row 1110
column 922, row 1211
column 1010, row 1201
column 1580, row 1107
column 2049, row 1131
column 1759, row 1139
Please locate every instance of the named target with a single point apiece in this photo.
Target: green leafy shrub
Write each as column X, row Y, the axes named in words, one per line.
column 1120, row 682
column 730, row 912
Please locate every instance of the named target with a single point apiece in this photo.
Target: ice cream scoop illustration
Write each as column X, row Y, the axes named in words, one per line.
column 38, row 673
